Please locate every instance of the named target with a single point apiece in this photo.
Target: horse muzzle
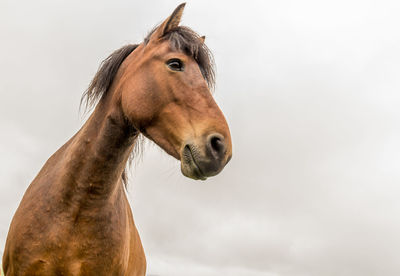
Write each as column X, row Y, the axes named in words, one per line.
column 205, row 158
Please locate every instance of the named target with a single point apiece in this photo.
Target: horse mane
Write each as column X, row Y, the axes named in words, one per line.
column 181, row 39
column 104, row 77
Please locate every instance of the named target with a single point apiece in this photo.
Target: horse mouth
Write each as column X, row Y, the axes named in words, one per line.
column 189, row 167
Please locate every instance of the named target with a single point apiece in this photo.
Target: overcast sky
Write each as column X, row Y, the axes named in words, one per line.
column 310, row 90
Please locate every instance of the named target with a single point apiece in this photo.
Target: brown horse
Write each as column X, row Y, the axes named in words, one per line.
column 74, row 218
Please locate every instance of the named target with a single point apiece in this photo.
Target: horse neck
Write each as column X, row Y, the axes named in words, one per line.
column 97, row 155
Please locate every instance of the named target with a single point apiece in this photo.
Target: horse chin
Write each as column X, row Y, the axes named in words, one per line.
column 190, row 169
column 192, row 172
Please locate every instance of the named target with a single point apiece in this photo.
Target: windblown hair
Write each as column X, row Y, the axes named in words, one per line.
column 181, row 39
column 105, row 75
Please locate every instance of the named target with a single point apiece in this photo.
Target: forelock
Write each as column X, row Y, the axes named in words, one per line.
column 186, row 40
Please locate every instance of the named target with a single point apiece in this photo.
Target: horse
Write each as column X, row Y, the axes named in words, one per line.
column 74, row 218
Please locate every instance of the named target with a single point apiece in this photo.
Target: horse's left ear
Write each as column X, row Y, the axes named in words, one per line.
column 170, row 23
column 202, row 39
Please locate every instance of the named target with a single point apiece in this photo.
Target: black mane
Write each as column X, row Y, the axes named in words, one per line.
column 105, row 75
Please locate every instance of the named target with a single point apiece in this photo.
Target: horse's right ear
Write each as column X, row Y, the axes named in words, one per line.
column 170, row 23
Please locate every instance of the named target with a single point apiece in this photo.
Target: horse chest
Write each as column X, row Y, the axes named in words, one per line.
column 83, row 251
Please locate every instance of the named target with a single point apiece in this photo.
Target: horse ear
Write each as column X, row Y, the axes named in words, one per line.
column 170, row 23
column 202, row 39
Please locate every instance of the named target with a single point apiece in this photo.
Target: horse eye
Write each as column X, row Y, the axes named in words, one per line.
column 175, row 64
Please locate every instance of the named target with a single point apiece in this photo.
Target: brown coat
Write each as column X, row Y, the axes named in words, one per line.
column 74, row 218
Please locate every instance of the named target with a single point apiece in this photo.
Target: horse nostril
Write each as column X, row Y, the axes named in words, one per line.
column 216, row 145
